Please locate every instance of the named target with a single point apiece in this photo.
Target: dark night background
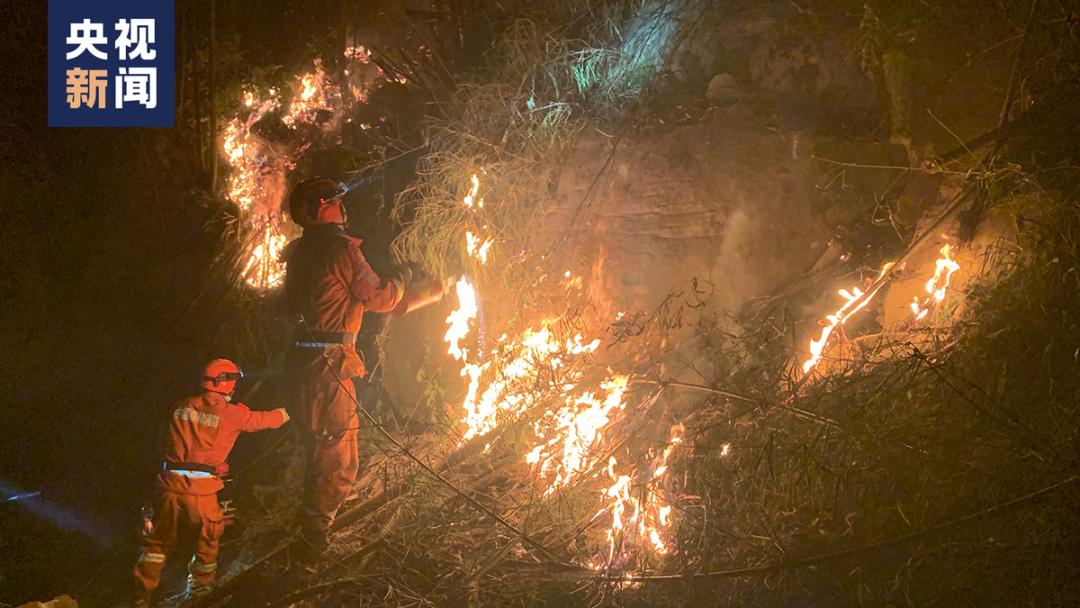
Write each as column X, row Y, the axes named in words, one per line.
column 103, row 255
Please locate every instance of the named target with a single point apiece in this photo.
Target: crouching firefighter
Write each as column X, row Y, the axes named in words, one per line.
column 328, row 286
column 200, row 436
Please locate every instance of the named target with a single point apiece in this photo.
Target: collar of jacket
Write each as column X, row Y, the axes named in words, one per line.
column 214, row 401
column 329, row 231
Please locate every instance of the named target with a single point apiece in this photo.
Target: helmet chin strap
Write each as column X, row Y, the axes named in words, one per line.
column 227, row 396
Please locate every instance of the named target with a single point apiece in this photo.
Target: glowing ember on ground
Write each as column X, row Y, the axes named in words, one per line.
column 937, row 286
column 638, row 519
column 855, row 300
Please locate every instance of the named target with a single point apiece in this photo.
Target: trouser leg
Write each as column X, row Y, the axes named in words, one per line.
column 159, row 543
column 331, row 473
column 203, row 567
column 326, row 406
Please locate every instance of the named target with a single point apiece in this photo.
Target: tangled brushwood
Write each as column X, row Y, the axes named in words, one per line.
column 921, row 466
column 544, row 85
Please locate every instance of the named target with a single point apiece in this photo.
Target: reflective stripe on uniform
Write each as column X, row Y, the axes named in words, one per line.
column 198, row 567
column 156, row 558
column 193, row 474
column 317, row 344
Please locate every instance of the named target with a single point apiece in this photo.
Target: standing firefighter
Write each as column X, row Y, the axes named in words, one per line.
column 328, row 285
column 201, row 434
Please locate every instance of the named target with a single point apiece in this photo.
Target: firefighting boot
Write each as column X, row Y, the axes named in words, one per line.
column 195, row 589
column 200, row 578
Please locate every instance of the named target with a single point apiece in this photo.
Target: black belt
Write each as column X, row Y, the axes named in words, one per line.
column 188, row 466
column 319, row 339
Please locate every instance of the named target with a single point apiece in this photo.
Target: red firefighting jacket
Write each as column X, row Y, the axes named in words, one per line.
column 330, row 284
column 202, row 431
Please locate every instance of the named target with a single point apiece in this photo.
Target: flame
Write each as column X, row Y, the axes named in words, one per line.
column 543, row 373
column 246, row 154
column 312, row 96
column 358, row 52
column 640, row 518
column 461, row 318
column 573, row 281
column 255, row 182
column 855, row 300
column 519, row 377
column 572, row 431
column 477, row 248
column 470, row 198
column 256, row 176
column 937, row 286
column 264, row 268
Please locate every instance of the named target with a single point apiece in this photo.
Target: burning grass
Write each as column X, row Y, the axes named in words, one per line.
column 912, row 442
column 880, row 482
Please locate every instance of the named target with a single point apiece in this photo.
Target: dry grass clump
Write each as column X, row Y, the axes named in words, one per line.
column 548, row 77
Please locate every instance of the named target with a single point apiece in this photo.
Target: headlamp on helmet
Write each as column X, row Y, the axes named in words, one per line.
column 319, row 200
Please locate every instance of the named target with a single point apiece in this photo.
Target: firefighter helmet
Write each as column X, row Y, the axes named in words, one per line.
column 220, row 376
column 319, row 200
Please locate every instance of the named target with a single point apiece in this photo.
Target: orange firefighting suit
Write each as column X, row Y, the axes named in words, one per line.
column 329, row 285
column 201, row 435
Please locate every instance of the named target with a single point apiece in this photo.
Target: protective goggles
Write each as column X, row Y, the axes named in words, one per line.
column 226, row 377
